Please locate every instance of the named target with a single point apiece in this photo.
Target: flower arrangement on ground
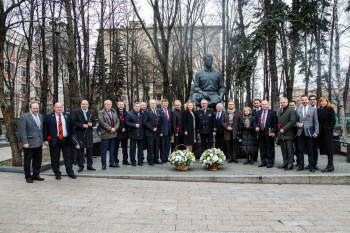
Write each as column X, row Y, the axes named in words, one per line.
column 181, row 159
column 213, row 156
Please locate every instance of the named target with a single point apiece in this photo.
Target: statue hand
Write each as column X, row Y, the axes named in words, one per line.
column 206, row 96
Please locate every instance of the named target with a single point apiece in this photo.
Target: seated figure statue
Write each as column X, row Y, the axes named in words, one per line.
column 208, row 84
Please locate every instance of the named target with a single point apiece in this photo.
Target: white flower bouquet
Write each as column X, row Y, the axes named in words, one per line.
column 181, row 158
column 213, row 156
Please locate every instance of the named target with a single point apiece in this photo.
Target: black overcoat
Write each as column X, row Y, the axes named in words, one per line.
column 187, row 125
column 326, row 120
column 85, row 135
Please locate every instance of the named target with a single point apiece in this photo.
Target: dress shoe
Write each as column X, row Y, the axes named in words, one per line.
column 29, row 180
column 288, row 168
column 269, row 166
column 104, row 167
column 229, row 161
column 262, row 165
column 91, row 168
column 282, row 166
column 301, row 168
column 112, row 165
column 312, row 169
column 151, row 164
column 134, row 164
column 140, row 164
column 307, row 167
column 157, row 162
column 116, row 165
column 80, row 169
column 246, row 162
column 126, row 163
column 58, row 177
column 73, row 176
column 328, row 169
column 235, row 161
column 316, row 167
column 38, row 178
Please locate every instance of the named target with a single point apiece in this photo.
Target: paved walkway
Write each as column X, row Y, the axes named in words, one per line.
column 110, row 205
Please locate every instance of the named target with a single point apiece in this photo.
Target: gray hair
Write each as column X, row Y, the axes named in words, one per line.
column 219, row 104
column 177, row 101
column 284, row 98
column 152, row 101
column 106, row 101
column 204, row 100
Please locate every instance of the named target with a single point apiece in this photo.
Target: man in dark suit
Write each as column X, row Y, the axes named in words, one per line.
column 307, row 123
column 266, row 126
column 230, row 121
column 177, row 124
column 293, row 105
column 152, row 122
column 219, row 138
column 206, row 125
column 31, row 133
column 143, row 109
column 58, row 131
column 122, row 135
column 313, row 104
column 165, row 114
column 134, row 121
column 84, row 120
column 257, row 107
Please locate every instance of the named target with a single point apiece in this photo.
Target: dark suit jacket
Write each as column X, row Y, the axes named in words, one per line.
column 50, row 128
column 79, row 120
column 255, row 111
column 220, row 128
column 225, row 122
column 166, row 124
column 131, row 120
column 177, row 122
column 271, row 122
column 151, row 121
column 206, row 122
column 29, row 131
column 122, row 125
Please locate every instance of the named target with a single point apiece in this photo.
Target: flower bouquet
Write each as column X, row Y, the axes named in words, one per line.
column 181, row 159
column 212, row 158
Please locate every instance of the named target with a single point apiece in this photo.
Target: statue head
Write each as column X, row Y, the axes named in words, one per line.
column 208, row 60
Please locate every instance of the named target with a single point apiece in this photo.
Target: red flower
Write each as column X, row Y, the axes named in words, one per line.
column 239, row 115
column 259, row 119
column 177, row 128
column 91, row 115
column 279, row 125
column 138, row 115
column 48, row 138
column 225, row 123
column 121, row 118
column 308, row 115
column 157, row 119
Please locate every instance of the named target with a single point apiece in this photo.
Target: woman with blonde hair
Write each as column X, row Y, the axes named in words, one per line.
column 249, row 137
column 189, row 125
column 326, row 120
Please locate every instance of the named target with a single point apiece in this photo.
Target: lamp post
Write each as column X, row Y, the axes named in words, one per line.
column 57, row 24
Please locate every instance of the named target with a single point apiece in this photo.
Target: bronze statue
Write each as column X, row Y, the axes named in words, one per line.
column 208, row 84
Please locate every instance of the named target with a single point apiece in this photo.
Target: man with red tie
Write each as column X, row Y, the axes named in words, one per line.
column 166, row 124
column 58, row 131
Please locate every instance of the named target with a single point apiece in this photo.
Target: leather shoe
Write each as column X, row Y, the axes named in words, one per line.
column 269, row 166
column 262, row 165
column 38, row 178
column 157, row 162
column 80, row 169
column 112, row 165
column 126, row 163
column 151, row 164
column 283, row 166
column 140, row 164
column 288, row 168
column 73, row 176
column 301, row 168
column 235, row 161
column 91, row 168
column 104, row 167
column 316, row 167
column 29, row 180
column 134, row 164
column 58, row 177
column 328, row 169
column 312, row 170
column 116, row 165
column 307, row 167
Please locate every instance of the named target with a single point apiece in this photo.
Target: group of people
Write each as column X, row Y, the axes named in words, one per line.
column 308, row 127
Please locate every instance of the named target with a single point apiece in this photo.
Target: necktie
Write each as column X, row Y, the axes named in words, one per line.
column 263, row 121
column 121, row 113
column 60, row 129
column 154, row 112
column 111, row 118
column 204, row 111
column 85, row 112
column 37, row 120
column 166, row 113
column 218, row 116
column 304, row 112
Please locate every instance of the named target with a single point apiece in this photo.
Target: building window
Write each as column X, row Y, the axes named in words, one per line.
column 199, row 33
column 7, row 67
column 200, row 42
column 124, row 98
column 147, row 44
column 23, row 89
column 24, row 55
column 37, row 76
column 8, row 102
column 8, row 49
column 23, row 71
column 211, row 51
column 37, row 92
column 123, row 35
column 159, row 97
column 148, row 52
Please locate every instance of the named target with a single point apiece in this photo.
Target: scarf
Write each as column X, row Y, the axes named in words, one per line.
column 231, row 114
column 247, row 120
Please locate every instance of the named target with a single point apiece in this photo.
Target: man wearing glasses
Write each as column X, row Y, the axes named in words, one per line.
column 313, row 103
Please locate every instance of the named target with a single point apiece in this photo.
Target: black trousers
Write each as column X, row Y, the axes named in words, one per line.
column 303, row 141
column 178, row 140
column 133, row 151
column 206, row 141
column 219, row 141
column 35, row 154
column 153, row 148
column 267, row 149
column 124, row 143
column 287, row 152
column 232, row 149
column 67, row 156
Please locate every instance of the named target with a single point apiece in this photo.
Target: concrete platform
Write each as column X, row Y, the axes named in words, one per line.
column 229, row 173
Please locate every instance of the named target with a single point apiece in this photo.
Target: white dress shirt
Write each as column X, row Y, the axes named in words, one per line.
column 64, row 127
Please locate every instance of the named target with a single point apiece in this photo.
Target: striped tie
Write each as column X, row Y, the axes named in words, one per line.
column 60, row 129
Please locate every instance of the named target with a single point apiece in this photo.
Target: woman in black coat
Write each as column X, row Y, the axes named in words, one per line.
column 189, row 122
column 326, row 120
column 249, row 135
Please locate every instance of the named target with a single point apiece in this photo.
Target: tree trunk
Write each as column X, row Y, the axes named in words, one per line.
column 44, row 80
